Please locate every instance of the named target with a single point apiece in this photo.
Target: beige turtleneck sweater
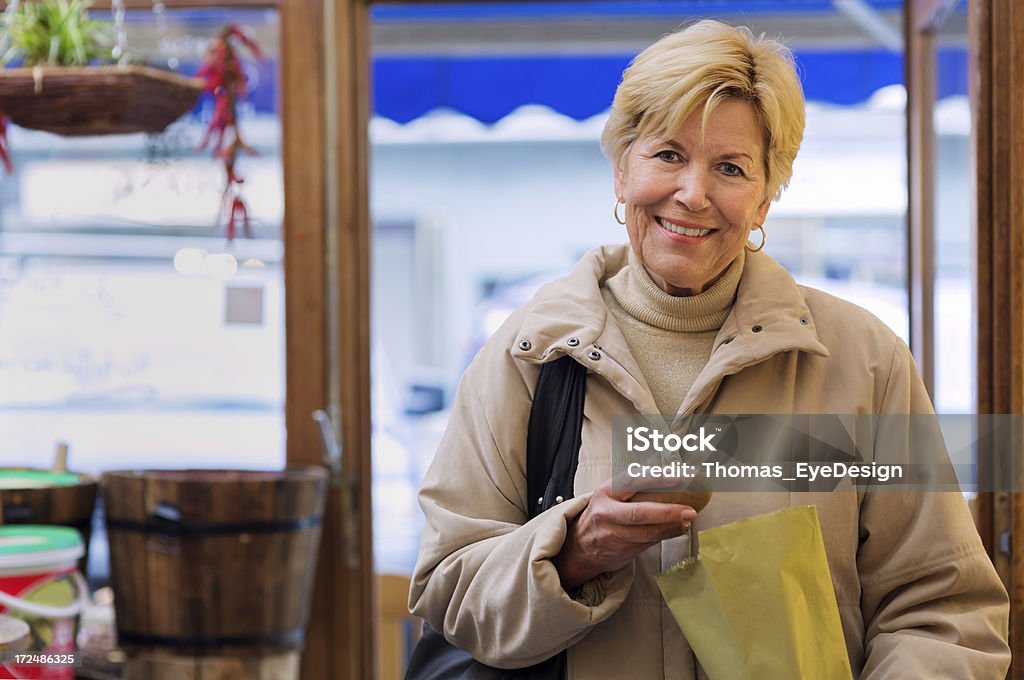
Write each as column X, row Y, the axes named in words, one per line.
column 670, row 337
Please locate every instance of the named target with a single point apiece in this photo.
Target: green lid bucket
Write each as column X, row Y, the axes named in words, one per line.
column 39, row 583
column 18, row 478
column 31, row 545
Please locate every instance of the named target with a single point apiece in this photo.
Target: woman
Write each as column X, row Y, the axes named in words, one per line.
column 690, row 317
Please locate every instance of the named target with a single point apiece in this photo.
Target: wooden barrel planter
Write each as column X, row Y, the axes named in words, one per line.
column 31, row 496
column 213, row 570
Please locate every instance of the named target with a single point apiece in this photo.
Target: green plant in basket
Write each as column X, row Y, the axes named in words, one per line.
column 54, row 33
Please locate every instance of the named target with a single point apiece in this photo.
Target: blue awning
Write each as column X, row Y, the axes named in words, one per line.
column 612, row 8
column 489, row 87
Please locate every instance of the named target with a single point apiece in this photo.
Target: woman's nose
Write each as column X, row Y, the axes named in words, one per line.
column 692, row 189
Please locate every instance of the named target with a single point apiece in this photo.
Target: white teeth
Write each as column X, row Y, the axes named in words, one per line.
column 685, row 231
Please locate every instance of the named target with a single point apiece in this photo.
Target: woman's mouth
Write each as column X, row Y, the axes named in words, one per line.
column 679, row 229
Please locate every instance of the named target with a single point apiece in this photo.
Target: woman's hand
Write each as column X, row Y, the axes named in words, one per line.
column 612, row 531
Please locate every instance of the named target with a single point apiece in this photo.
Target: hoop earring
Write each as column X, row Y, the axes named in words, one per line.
column 615, row 211
column 764, row 239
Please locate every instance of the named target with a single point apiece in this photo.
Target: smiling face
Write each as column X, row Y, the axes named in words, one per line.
column 691, row 202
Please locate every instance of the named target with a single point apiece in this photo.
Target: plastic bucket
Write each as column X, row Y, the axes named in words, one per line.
column 40, row 584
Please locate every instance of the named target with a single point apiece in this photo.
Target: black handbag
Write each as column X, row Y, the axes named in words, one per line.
column 552, row 452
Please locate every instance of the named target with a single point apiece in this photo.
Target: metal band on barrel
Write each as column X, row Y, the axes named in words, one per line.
column 167, row 527
column 289, row 639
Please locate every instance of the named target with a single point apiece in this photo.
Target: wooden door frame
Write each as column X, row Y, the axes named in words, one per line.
column 997, row 45
column 325, row 112
column 921, row 21
column 996, row 81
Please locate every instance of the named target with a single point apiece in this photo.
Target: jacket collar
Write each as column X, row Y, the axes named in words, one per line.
column 770, row 314
column 569, row 316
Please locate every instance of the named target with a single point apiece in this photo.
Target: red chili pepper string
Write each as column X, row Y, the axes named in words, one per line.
column 223, row 78
column 5, row 149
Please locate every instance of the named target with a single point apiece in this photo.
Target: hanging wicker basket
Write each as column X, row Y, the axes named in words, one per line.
column 96, row 100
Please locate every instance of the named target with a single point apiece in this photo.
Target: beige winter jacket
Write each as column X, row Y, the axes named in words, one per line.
column 917, row 594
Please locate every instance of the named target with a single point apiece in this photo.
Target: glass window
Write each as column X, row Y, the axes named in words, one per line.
column 129, row 327
column 955, row 254
column 487, row 181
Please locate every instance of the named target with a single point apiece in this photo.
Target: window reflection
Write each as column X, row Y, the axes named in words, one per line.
column 955, row 341
column 480, row 201
column 129, row 326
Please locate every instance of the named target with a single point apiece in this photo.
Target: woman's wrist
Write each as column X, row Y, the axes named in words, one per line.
column 572, row 572
column 570, row 577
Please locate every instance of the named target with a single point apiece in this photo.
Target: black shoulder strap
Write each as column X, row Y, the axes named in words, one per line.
column 553, row 434
column 552, row 452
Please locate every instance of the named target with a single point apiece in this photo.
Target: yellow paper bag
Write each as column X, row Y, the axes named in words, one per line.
column 757, row 603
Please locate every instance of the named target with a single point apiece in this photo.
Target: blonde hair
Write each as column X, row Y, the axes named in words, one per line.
column 699, row 67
